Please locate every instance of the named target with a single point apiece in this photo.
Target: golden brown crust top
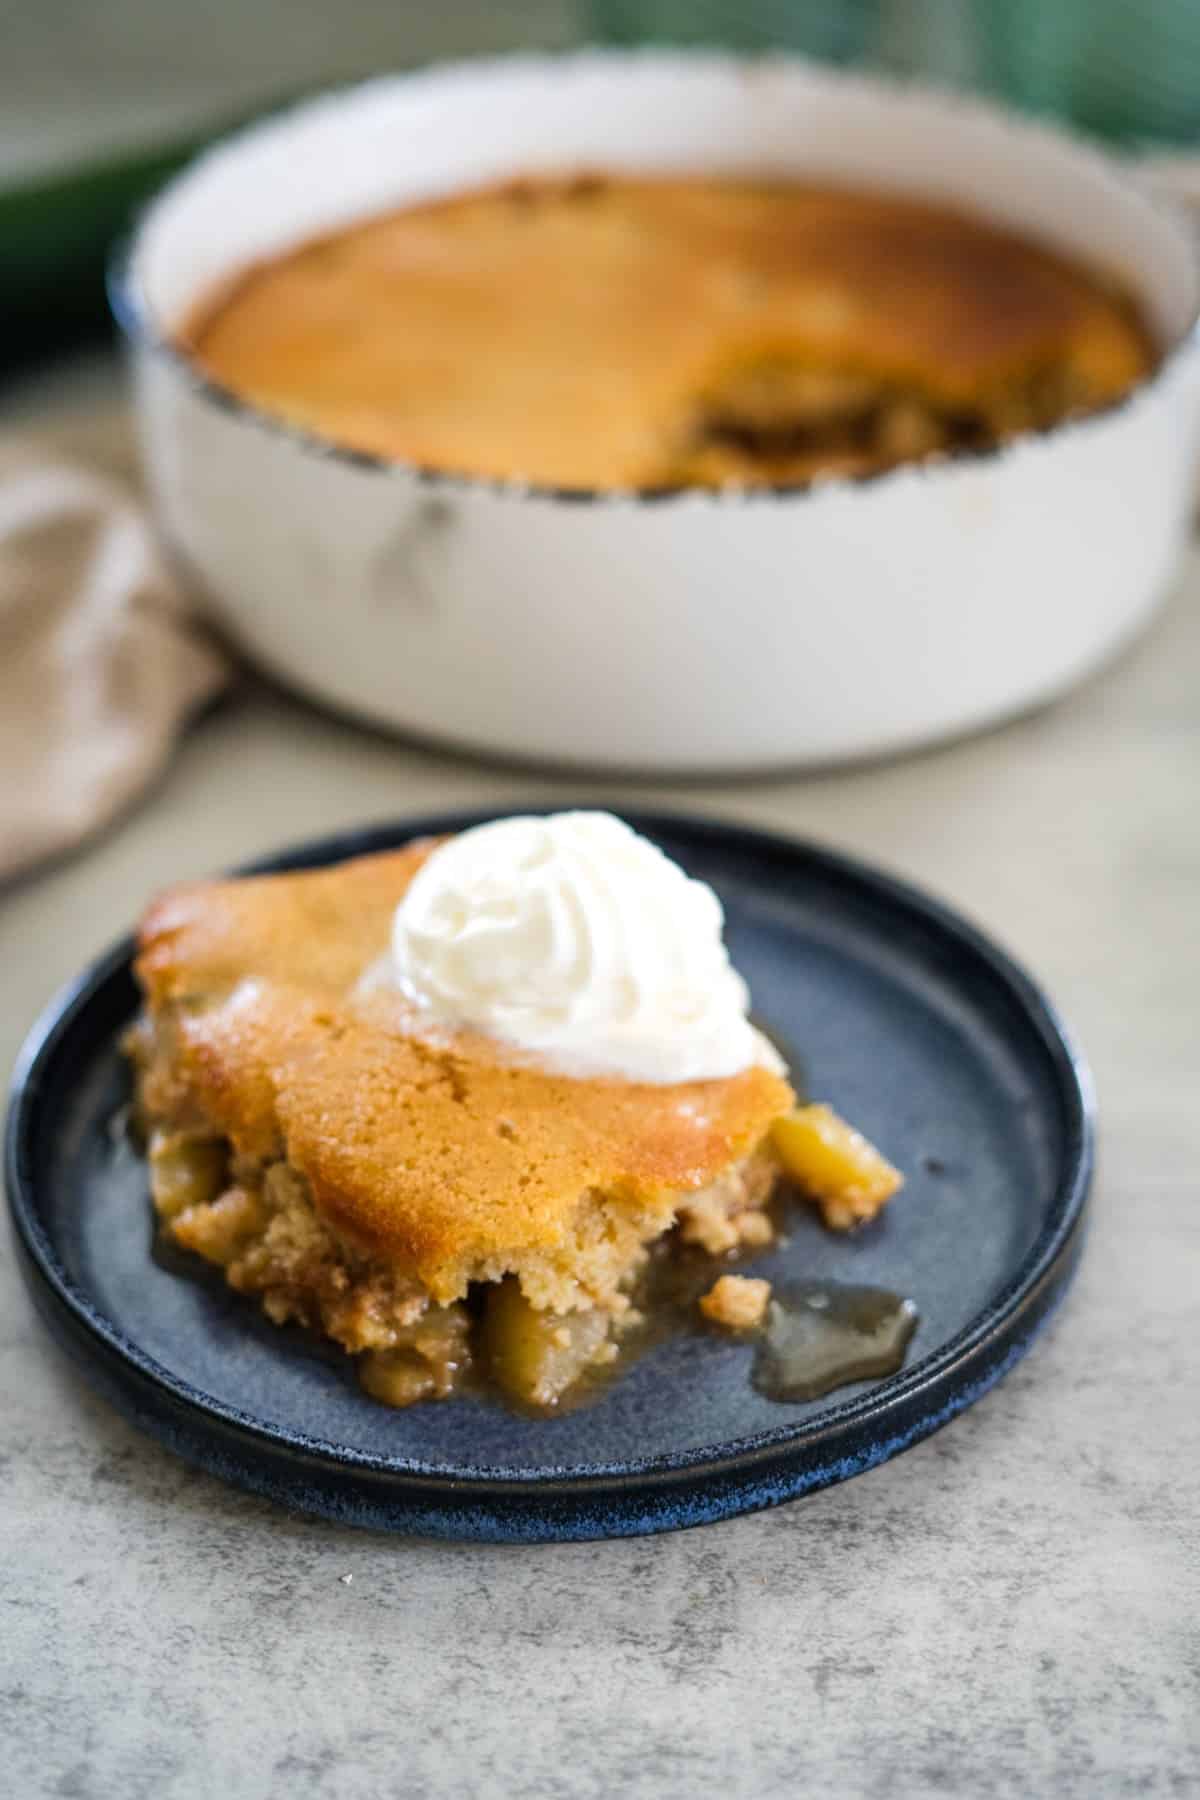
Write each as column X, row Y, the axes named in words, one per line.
column 572, row 331
column 434, row 1154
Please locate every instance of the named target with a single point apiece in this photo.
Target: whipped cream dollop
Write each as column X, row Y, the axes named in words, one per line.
column 576, row 939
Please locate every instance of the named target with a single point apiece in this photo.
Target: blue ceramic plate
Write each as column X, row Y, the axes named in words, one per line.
column 911, row 1023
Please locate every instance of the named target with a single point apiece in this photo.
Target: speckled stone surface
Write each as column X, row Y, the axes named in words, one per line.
column 1009, row 1609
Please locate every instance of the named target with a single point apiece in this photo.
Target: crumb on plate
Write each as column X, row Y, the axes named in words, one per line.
column 739, row 1302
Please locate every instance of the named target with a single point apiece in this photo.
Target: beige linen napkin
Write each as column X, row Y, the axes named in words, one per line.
column 100, row 664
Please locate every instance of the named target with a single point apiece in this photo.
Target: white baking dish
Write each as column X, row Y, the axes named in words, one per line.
column 693, row 632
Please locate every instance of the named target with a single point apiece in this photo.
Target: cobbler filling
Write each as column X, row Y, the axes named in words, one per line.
column 257, row 1222
column 769, row 416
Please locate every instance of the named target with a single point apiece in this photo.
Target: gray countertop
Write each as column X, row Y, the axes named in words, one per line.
column 1009, row 1609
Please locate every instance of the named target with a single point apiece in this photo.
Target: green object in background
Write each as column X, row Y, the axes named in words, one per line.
column 56, row 233
column 836, row 31
column 1127, row 70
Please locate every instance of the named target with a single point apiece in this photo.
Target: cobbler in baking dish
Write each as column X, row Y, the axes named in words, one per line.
column 617, row 331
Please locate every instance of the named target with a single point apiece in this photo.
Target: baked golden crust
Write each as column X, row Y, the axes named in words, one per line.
column 448, row 1159
column 629, row 332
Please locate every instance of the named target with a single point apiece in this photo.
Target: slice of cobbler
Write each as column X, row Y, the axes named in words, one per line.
column 435, row 1198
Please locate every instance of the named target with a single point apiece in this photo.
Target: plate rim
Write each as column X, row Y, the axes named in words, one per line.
column 418, row 1485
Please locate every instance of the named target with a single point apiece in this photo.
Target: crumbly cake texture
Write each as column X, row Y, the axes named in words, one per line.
column 426, row 1165
column 622, row 331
